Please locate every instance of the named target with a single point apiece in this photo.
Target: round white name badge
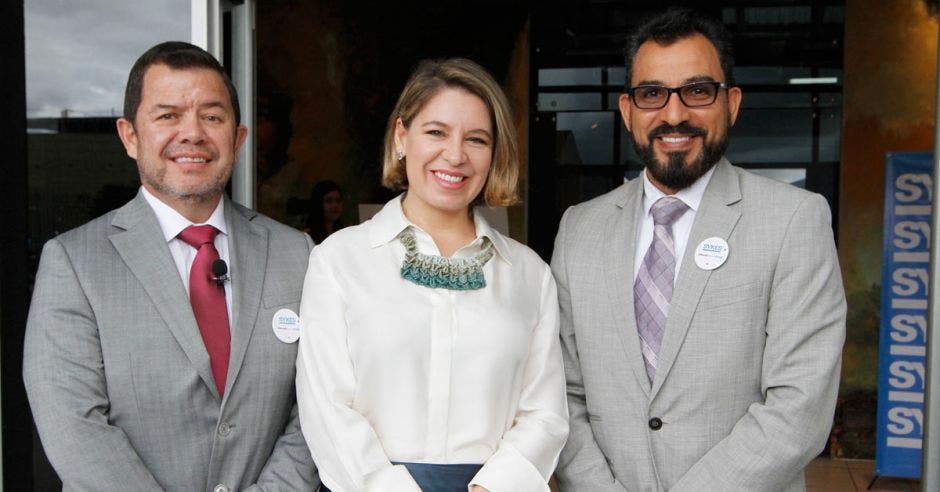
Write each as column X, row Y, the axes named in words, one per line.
column 286, row 325
column 711, row 253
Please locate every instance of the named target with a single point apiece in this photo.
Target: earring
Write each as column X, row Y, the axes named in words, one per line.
column 399, row 154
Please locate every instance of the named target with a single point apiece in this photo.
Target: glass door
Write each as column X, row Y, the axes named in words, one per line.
column 77, row 58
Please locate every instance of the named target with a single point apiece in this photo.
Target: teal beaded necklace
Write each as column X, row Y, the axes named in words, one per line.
column 439, row 272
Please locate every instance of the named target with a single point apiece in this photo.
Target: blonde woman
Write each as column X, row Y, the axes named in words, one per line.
column 429, row 356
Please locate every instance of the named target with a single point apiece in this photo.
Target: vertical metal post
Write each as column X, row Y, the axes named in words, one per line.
column 930, row 478
column 206, row 18
column 207, row 27
column 243, row 75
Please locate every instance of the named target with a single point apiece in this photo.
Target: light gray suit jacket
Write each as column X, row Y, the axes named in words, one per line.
column 118, row 376
column 749, row 366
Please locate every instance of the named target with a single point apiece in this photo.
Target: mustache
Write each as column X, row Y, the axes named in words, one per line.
column 206, row 150
column 684, row 128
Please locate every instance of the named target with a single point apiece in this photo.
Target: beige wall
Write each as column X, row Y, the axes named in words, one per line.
column 889, row 106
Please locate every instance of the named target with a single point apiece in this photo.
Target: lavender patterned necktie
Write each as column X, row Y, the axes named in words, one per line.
column 653, row 288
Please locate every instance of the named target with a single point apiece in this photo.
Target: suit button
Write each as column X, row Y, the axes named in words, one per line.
column 656, row 423
column 224, row 430
column 220, row 488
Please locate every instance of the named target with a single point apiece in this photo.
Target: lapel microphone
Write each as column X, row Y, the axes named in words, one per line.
column 220, row 272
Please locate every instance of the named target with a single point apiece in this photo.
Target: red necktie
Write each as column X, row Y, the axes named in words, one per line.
column 208, row 300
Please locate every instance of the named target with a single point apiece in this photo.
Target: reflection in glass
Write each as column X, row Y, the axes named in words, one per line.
column 834, row 14
column 831, row 72
column 617, row 76
column 584, row 138
column 779, row 100
column 627, row 155
column 78, row 55
column 793, row 176
column 778, row 16
column 768, row 75
column 570, row 76
column 830, row 134
column 77, row 61
column 729, row 16
column 830, row 100
column 560, row 101
column 613, row 101
column 772, row 135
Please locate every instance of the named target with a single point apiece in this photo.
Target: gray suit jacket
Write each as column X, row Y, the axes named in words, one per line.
column 118, row 376
column 750, row 361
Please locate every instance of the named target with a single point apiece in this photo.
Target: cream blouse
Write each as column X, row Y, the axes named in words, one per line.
column 388, row 370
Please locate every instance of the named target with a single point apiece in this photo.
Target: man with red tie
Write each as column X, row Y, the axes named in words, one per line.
column 159, row 348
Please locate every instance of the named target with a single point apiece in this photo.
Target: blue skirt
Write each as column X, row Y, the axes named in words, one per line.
column 438, row 478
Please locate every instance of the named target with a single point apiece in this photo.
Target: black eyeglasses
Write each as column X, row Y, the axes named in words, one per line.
column 694, row 95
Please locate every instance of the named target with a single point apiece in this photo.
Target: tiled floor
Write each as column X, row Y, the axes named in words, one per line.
column 831, row 475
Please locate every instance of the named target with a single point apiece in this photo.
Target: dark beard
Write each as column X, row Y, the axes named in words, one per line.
column 676, row 174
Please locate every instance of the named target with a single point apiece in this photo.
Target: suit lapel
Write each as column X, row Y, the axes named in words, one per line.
column 714, row 218
column 248, row 253
column 141, row 245
column 621, row 239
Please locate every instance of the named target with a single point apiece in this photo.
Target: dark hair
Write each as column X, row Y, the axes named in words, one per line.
column 315, row 210
column 679, row 23
column 177, row 55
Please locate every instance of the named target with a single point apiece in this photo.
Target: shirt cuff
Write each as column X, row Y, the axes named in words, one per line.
column 395, row 477
column 509, row 471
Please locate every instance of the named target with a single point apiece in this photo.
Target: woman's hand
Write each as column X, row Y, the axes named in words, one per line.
column 477, row 488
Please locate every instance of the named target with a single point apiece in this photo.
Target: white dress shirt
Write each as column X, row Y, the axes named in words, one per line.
column 389, row 370
column 172, row 223
column 681, row 228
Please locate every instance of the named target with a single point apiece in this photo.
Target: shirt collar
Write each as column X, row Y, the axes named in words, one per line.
column 691, row 196
column 172, row 222
column 391, row 220
column 484, row 229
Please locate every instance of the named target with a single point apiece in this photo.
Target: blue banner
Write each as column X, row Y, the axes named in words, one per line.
column 904, row 280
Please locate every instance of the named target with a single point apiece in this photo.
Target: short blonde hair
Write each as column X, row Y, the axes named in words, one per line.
column 427, row 81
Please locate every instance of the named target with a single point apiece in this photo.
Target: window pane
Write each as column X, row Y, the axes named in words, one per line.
column 578, row 188
column 831, row 72
column 769, row 16
column 768, row 75
column 584, row 138
column 627, row 155
column 772, row 135
column 795, row 177
column 834, row 14
column 830, row 100
column 779, row 100
column 616, row 76
column 560, row 101
column 830, row 134
column 77, row 61
column 613, row 101
column 570, row 76
column 729, row 16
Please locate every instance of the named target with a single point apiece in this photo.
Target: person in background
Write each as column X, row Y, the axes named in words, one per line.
column 702, row 307
column 324, row 210
column 150, row 361
column 429, row 355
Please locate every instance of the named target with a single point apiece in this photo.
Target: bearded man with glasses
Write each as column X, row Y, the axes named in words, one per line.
column 702, row 307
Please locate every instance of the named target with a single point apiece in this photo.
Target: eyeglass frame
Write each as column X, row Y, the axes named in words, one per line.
column 676, row 90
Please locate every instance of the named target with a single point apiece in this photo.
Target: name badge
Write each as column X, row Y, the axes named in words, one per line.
column 711, row 253
column 286, row 326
